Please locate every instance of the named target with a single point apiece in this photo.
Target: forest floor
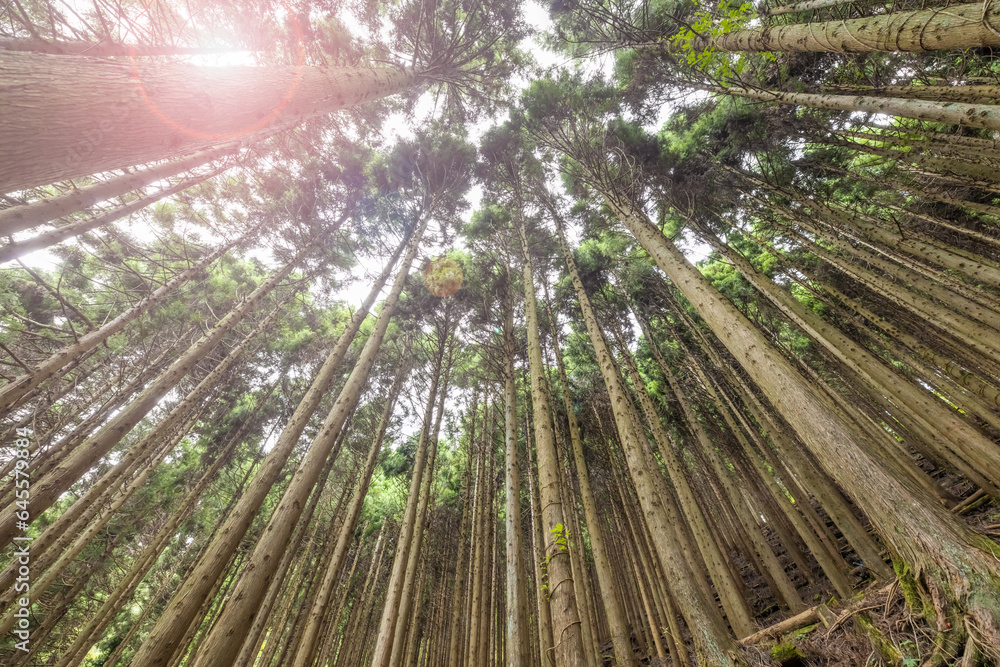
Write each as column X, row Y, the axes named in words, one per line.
column 873, row 629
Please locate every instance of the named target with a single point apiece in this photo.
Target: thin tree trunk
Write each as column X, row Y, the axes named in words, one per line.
column 25, row 216
column 222, row 645
column 516, row 603
column 409, row 592
column 566, row 634
column 411, row 517
column 805, row 6
column 713, row 644
column 12, row 392
column 949, row 113
column 307, row 643
column 46, row 491
column 609, row 595
column 21, row 248
column 162, row 640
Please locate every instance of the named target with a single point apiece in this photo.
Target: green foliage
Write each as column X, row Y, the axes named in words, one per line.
column 691, row 38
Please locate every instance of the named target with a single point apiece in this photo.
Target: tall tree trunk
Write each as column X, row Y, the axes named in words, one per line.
column 457, row 626
column 222, row 645
column 46, row 491
column 516, row 636
column 949, row 113
column 141, row 565
column 162, row 640
column 620, row 635
column 544, row 613
column 712, row 641
column 410, row 589
column 20, row 248
column 566, row 634
column 931, row 546
column 90, row 116
column 307, row 643
column 955, row 27
column 25, row 216
column 411, row 517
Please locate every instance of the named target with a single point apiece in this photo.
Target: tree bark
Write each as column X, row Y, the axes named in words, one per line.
column 940, row 28
column 163, row 639
column 566, row 634
column 620, row 635
column 25, row 216
column 97, row 116
column 47, row 490
column 307, row 642
column 516, row 635
column 931, row 547
column 20, row 248
column 712, row 641
column 223, row 643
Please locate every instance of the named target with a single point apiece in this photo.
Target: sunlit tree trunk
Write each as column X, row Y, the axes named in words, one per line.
column 74, row 229
column 70, row 116
column 939, row 28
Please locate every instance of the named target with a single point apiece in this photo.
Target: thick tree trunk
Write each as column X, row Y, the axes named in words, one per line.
column 69, row 116
column 951, row 567
column 939, row 28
